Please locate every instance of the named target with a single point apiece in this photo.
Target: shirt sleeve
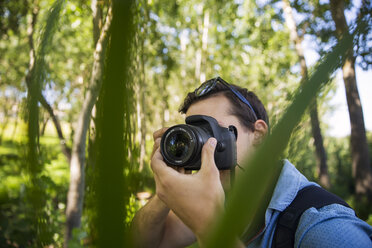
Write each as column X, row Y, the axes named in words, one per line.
column 332, row 226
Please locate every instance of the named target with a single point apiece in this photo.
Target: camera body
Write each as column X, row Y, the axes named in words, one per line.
column 181, row 145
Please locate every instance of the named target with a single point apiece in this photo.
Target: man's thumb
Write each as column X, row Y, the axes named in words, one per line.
column 207, row 156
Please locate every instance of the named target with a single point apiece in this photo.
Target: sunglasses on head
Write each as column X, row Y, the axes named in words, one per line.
column 207, row 86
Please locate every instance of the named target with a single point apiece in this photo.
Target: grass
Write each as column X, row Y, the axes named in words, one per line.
column 14, row 208
column 12, row 153
column 7, row 148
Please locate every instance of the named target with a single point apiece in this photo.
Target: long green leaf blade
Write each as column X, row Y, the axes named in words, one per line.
column 112, row 136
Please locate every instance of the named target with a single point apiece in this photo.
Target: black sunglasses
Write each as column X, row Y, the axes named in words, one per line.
column 207, row 86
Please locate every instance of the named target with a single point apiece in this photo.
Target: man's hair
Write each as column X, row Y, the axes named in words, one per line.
column 239, row 109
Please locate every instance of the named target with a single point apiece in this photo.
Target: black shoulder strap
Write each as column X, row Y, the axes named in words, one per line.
column 311, row 196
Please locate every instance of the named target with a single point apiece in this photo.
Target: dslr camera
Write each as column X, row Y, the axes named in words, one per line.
column 181, row 145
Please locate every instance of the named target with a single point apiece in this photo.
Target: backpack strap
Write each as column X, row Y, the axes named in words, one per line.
column 311, row 196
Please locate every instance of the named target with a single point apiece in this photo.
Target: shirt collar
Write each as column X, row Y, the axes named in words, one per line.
column 289, row 183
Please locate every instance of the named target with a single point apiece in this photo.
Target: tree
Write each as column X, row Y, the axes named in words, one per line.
column 75, row 196
column 321, row 158
column 35, row 79
column 361, row 165
column 31, row 23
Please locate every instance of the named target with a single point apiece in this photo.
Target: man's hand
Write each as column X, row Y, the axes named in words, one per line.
column 196, row 199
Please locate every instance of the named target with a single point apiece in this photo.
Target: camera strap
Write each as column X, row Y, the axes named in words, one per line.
column 308, row 197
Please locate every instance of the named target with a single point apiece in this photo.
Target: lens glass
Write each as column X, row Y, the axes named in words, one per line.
column 178, row 145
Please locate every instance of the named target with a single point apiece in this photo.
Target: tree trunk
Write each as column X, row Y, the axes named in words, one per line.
column 321, row 157
column 200, row 58
column 43, row 127
column 142, row 106
column 16, row 122
column 65, row 149
column 165, row 96
column 75, row 196
column 30, row 33
column 97, row 20
column 361, row 167
column 198, row 55
column 143, row 131
column 31, row 22
column 4, row 125
column 204, row 53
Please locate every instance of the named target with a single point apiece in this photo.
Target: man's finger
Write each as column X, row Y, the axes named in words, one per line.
column 207, row 161
column 159, row 133
column 156, row 146
column 159, row 167
column 157, row 139
column 157, row 142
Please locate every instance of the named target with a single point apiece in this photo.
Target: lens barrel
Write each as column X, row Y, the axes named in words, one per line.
column 181, row 144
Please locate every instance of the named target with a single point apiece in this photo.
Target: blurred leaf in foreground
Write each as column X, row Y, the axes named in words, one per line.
column 113, row 109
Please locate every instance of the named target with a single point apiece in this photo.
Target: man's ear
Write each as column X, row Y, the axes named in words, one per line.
column 260, row 131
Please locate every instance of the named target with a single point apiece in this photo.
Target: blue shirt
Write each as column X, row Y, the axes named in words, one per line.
column 330, row 226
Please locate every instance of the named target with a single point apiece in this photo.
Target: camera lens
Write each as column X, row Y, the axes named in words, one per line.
column 181, row 145
column 178, row 145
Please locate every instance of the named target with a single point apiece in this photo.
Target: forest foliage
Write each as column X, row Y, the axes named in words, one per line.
column 155, row 52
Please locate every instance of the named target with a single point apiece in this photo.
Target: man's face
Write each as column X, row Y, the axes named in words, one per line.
column 218, row 107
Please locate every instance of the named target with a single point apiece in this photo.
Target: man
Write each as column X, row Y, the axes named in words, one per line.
column 186, row 205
